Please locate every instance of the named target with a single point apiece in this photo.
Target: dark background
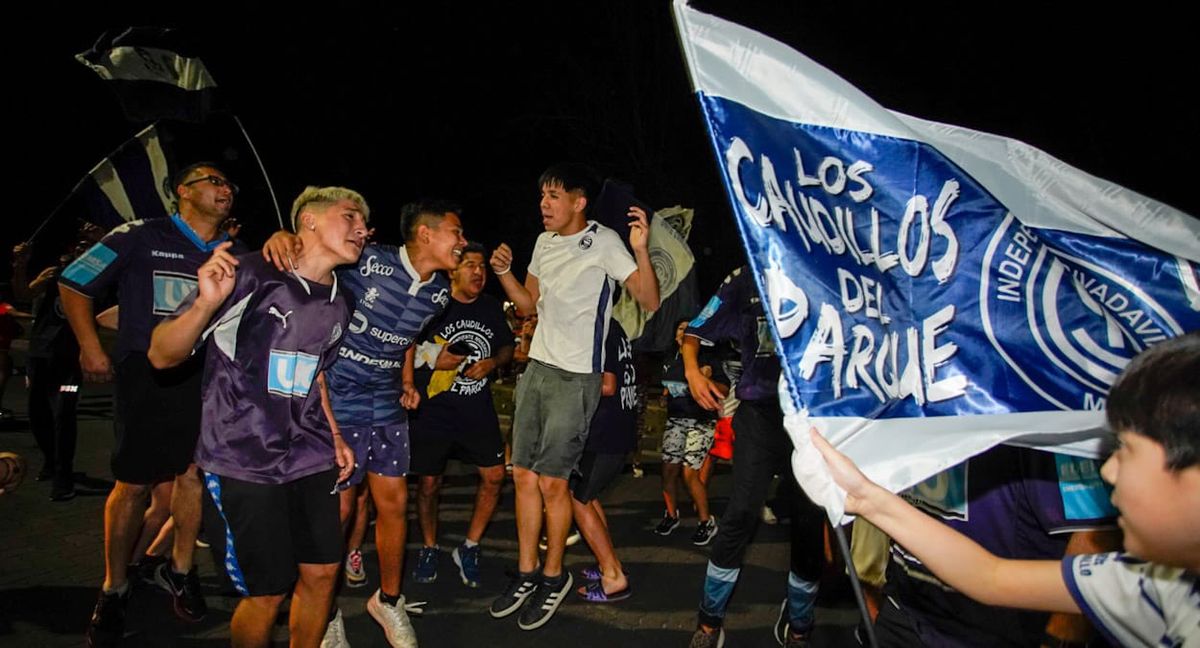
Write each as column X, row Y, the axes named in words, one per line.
column 472, row 103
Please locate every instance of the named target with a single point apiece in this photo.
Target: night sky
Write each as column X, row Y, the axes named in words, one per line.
column 471, row 104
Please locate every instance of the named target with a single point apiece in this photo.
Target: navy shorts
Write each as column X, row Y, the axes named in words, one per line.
column 381, row 449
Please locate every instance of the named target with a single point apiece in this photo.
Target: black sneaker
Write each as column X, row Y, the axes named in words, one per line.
column 108, row 621
column 185, row 593
column 783, row 631
column 519, row 588
column 712, row 638
column 667, row 524
column 63, row 489
column 141, row 573
column 545, row 601
column 705, row 531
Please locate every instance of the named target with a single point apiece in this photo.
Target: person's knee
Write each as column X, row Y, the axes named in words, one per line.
column 267, row 604
column 429, row 486
column 491, row 478
column 525, row 478
column 319, row 576
column 552, row 487
column 391, row 498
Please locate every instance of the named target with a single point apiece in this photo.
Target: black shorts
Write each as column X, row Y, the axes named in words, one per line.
column 596, row 472
column 156, row 419
column 272, row 528
column 437, row 435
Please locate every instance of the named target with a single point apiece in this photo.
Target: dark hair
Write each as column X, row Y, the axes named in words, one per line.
column 573, row 177
column 477, row 248
column 427, row 211
column 182, row 174
column 1157, row 396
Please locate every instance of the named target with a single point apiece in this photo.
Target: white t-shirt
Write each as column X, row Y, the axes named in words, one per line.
column 576, row 276
column 1136, row 603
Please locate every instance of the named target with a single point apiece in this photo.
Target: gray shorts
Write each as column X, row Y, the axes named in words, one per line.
column 550, row 422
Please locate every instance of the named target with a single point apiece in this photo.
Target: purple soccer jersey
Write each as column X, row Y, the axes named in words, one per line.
column 736, row 313
column 392, row 306
column 1016, row 503
column 153, row 264
column 263, row 421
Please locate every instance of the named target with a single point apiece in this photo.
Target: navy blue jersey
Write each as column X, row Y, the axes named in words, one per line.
column 262, row 420
column 391, row 307
column 481, row 326
column 1016, row 503
column 613, row 429
column 152, row 263
column 736, row 313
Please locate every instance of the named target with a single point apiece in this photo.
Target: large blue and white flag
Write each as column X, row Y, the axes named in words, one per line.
column 933, row 290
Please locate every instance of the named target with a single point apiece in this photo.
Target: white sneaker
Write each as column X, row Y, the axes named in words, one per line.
column 394, row 619
column 768, row 516
column 335, row 633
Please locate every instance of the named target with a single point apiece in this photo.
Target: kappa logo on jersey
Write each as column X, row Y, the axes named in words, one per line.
column 373, row 267
column 441, row 298
column 1069, row 326
column 282, row 316
column 170, row 289
column 291, row 373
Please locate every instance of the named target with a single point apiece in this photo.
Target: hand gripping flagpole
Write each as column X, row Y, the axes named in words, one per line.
column 270, row 189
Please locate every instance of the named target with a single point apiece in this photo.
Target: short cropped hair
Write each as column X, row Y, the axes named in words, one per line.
column 476, row 248
column 573, row 177
column 324, row 196
column 181, row 175
column 428, row 212
column 1157, row 396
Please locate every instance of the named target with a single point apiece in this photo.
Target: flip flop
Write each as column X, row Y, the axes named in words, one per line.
column 593, row 573
column 594, row 593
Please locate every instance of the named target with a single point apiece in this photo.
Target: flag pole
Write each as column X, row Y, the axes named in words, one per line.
column 270, row 189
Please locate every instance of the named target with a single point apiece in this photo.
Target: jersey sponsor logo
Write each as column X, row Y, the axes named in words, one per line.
column 387, row 337
column 943, row 495
column 358, row 322
column 166, row 255
column 362, row 358
column 291, row 373
column 1085, row 496
column 170, row 289
column 710, row 309
column 441, row 297
column 676, row 389
column 282, row 316
column 373, row 267
column 84, row 269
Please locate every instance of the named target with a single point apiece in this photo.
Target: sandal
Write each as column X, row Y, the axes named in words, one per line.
column 594, row 593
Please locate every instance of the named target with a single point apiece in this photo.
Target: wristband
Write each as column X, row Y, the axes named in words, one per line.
column 506, row 270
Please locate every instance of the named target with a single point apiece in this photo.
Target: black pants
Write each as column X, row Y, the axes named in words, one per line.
column 761, row 450
column 53, row 396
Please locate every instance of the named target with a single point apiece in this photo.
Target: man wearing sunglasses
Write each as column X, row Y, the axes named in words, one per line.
column 152, row 264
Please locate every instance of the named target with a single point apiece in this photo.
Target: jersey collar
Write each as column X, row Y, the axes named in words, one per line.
column 187, row 231
column 308, row 289
column 416, row 284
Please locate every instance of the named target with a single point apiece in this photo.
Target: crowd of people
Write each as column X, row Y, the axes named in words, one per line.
column 293, row 389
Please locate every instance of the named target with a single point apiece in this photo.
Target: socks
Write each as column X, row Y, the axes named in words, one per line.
column 389, row 599
column 469, row 543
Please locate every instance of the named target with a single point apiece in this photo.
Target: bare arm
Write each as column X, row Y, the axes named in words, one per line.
column 524, row 296
column 341, row 452
column 1075, row 627
column 705, row 390
column 173, row 339
column 608, row 384
column 92, row 359
column 410, row 398
column 643, row 283
column 486, row 366
column 952, row 557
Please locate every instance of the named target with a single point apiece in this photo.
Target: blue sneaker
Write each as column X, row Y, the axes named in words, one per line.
column 467, row 559
column 426, row 569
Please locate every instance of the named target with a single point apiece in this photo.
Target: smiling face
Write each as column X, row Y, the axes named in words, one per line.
column 562, row 210
column 470, row 276
column 443, row 240
column 200, row 194
column 1160, row 508
column 339, row 227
